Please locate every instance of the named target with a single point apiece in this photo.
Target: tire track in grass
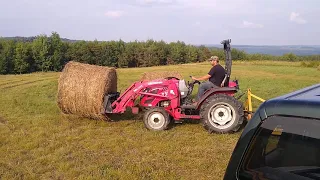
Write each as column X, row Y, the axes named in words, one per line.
column 8, row 79
column 29, row 82
column 9, row 82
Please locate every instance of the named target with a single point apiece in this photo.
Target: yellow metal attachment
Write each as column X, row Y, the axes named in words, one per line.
column 248, row 105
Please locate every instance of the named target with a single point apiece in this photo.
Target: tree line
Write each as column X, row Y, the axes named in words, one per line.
column 51, row 53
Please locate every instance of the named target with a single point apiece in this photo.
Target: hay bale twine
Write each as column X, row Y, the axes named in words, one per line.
column 147, row 76
column 82, row 87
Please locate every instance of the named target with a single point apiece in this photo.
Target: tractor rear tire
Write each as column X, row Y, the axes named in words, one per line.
column 222, row 113
column 157, row 119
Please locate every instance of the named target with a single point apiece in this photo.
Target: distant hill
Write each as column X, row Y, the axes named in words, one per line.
column 276, row 50
column 272, row 50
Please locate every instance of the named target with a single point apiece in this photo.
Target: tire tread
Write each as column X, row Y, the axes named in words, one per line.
column 221, row 97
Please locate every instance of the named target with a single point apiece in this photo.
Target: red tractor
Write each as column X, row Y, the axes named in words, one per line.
column 167, row 100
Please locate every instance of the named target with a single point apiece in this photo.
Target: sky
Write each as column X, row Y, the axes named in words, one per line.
column 246, row 22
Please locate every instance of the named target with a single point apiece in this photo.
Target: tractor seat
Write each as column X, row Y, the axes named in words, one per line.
column 231, row 84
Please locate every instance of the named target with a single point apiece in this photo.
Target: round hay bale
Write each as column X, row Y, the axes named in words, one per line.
column 82, row 87
column 147, row 76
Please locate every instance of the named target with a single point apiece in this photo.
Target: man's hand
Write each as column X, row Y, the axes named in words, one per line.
column 193, row 78
column 206, row 77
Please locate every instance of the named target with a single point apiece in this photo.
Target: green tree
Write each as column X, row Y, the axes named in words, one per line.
column 192, row 54
column 40, row 53
column 22, row 58
column 77, row 51
column 162, row 52
column 51, row 53
column 153, row 53
column 204, row 53
column 238, row 54
column 178, row 52
column 122, row 61
column 109, row 54
column 128, row 56
column 219, row 52
column 289, row 57
column 1, row 57
column 255, row 57
column 7, row 57
column 57, row 51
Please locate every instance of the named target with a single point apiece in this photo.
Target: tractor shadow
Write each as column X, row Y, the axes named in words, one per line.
column 126, row 116
column 175, row 124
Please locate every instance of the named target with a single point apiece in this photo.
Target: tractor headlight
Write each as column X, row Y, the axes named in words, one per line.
column 165, row 103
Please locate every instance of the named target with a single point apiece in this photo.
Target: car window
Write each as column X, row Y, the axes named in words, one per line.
column 283, row 148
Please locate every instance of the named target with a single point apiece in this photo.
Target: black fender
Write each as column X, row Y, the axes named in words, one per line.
column 212, row 91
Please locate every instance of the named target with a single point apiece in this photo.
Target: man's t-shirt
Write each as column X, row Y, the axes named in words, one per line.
column 217, row 73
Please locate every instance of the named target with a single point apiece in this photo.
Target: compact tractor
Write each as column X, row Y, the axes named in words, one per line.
column 166, row 101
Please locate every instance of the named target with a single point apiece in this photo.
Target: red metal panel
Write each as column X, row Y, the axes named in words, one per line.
column 135, row 110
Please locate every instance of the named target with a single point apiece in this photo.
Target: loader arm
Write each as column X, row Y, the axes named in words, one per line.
column 126, row 99
column 129, row 97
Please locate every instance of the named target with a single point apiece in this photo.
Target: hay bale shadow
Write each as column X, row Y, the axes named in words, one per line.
column 126, row 116
column 120, row 117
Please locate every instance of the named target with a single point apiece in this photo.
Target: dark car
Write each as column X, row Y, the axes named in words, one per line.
column 281, row 141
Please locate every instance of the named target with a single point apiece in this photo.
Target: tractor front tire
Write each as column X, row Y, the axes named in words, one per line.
column 156, row 119
column 221, row 113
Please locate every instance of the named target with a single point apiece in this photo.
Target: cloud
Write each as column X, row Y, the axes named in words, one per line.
column 114, row 14
column 295, row 17
column 176, row 4
column 213, row 8
column 207, row 4
column 154, row 2
column 247, row 24
column 197, row 23
column 197, row 7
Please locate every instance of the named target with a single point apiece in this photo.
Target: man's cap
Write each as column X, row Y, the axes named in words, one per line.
column 213, row 58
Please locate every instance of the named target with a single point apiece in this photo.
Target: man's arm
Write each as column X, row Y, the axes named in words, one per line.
column 206, row 77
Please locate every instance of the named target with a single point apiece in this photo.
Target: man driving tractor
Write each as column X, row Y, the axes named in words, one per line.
column 214, row 78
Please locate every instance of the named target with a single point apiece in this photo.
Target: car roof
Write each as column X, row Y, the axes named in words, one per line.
column 304, row 103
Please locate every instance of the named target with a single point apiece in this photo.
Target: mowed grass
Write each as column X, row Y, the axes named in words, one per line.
column 37, row 142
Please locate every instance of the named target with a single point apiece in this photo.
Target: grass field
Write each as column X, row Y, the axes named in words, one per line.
column 37, row 142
